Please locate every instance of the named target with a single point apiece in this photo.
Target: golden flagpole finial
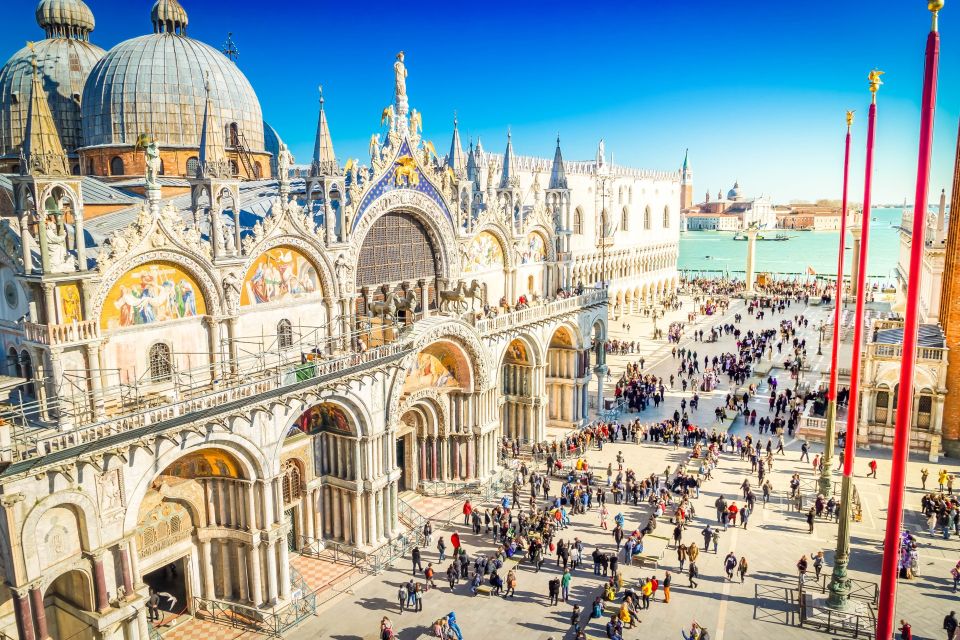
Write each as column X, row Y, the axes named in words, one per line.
column 850, row 118
column 935, row 6
column 874, row 78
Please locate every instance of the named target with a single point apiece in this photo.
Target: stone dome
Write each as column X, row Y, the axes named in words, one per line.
column 168, row 16
column 735, row 193
column 155, row 84
column 64, row 59
column 65, row 18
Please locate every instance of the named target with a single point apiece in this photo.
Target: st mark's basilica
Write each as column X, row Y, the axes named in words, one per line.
column 217, row 359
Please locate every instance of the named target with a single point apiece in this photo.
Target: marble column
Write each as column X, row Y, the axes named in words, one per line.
column 471, row 457
column 206, row 559
column 24, row 612
column 99, row 582
column 237, row 551
column 856, row 231
column 96, row 384
column 226, row 559
column 372, row 536
column 271, row 573
column 751, row 257
column 433, row 454
column 254, row 572
column 39, row 612
column 126, row 571
column 284, row 568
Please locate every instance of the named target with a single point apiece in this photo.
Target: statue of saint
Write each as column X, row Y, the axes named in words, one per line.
column 400, row 72
column 60, row 260
column 284, row 162
column 151, row 154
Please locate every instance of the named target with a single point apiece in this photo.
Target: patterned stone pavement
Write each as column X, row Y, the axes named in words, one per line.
column 775, row 539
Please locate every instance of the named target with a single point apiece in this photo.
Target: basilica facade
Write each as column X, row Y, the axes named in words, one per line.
column 234, row 368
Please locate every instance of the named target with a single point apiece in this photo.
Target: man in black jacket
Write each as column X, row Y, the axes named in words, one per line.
column 950, row 625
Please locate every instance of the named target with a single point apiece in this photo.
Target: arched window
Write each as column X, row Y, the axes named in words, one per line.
column 234, row 168
column 578, row 221
column 285, row 334
column 646, row 218
column 162, row 170
column 630, row 196
column 291, row 482
column 881, row 406
column 160, row 362
column 924, row 409
column 257, row 170
column 116, row 166
column 75, row 170
column 625, row 220
column 193, row 163
column 233, row 135
column 666, row 217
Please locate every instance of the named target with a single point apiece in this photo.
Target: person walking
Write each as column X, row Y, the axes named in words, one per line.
column 730, row 565
column 565, row 584
column 511, row 584
column 153, row 606
column 692, row 573
column 553, row 588
column 802, row 569
column 603, row 516
column 924, row 474
column 950, row 625
column 742, row 568
column 811, row 517
column 442, row 549
column 906, row 631
column 402, row 596
column 873, row 469
column 667, row 580
column 682, row 556
column 467, row 510
column 818, row 564
column 415, row 556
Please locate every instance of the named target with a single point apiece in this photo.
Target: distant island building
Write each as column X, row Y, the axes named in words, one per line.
column 730, row 213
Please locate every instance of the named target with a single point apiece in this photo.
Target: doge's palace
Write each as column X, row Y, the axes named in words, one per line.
column 216, row 361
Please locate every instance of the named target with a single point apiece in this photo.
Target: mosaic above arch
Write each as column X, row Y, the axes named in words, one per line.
column 483, row 253
column 279, row 274
column 438, row 366
column 151, row 293
column 535, row 249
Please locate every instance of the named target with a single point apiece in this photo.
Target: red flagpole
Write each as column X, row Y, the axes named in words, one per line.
column 901, row 438
column 835, row 351
column 850, row 449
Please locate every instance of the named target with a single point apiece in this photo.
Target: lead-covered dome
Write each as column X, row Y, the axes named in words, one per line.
column 155, row 84
column 65, row 18
column 63, row 60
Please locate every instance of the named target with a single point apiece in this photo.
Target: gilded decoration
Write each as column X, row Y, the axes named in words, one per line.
column 325, row 416
column 439, row 366
column 71, row 309
column 280, row 274
column 211, row 463
column 483, row 253
column 151, row 293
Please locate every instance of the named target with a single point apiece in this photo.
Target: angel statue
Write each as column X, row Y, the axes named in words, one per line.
column 874, row 78
column 387, row 116
column 416, row 122
column 374, row 147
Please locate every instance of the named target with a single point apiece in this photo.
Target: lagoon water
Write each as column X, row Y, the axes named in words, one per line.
column 717, row 251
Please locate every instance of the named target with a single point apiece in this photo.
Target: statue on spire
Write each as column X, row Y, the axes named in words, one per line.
column 400, row 73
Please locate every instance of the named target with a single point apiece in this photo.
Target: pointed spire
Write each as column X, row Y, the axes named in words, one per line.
column 686, row 160
column 558, row 177
column 212, row 160
column 455, row 159
column 42, row 152
column 324, row 160
column 508, row 177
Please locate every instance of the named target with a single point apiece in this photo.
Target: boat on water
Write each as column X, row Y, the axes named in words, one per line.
column 780, row 237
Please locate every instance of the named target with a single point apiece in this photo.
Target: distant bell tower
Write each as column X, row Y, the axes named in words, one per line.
column 950, row 317
column 686, row 183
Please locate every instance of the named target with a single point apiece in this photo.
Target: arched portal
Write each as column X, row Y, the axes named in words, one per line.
column 64, row 603
column 434, row 440
column 521, row 412
column 565, row 381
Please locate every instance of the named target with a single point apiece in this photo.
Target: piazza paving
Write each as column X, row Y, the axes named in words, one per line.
column 773, row 543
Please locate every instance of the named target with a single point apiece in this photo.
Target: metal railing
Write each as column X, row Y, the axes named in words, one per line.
column 539, row 312
column 859, row 589
column 329, row 550
column 836, row 621
column 271, row 623
column 26, row 446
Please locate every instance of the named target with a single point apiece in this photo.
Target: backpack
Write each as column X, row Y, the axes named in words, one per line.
column 597, row 610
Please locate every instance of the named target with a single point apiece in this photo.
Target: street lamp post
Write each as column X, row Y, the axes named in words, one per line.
column 820, row 342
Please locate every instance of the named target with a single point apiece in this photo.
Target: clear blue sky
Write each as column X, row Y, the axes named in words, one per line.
column 757, row 91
